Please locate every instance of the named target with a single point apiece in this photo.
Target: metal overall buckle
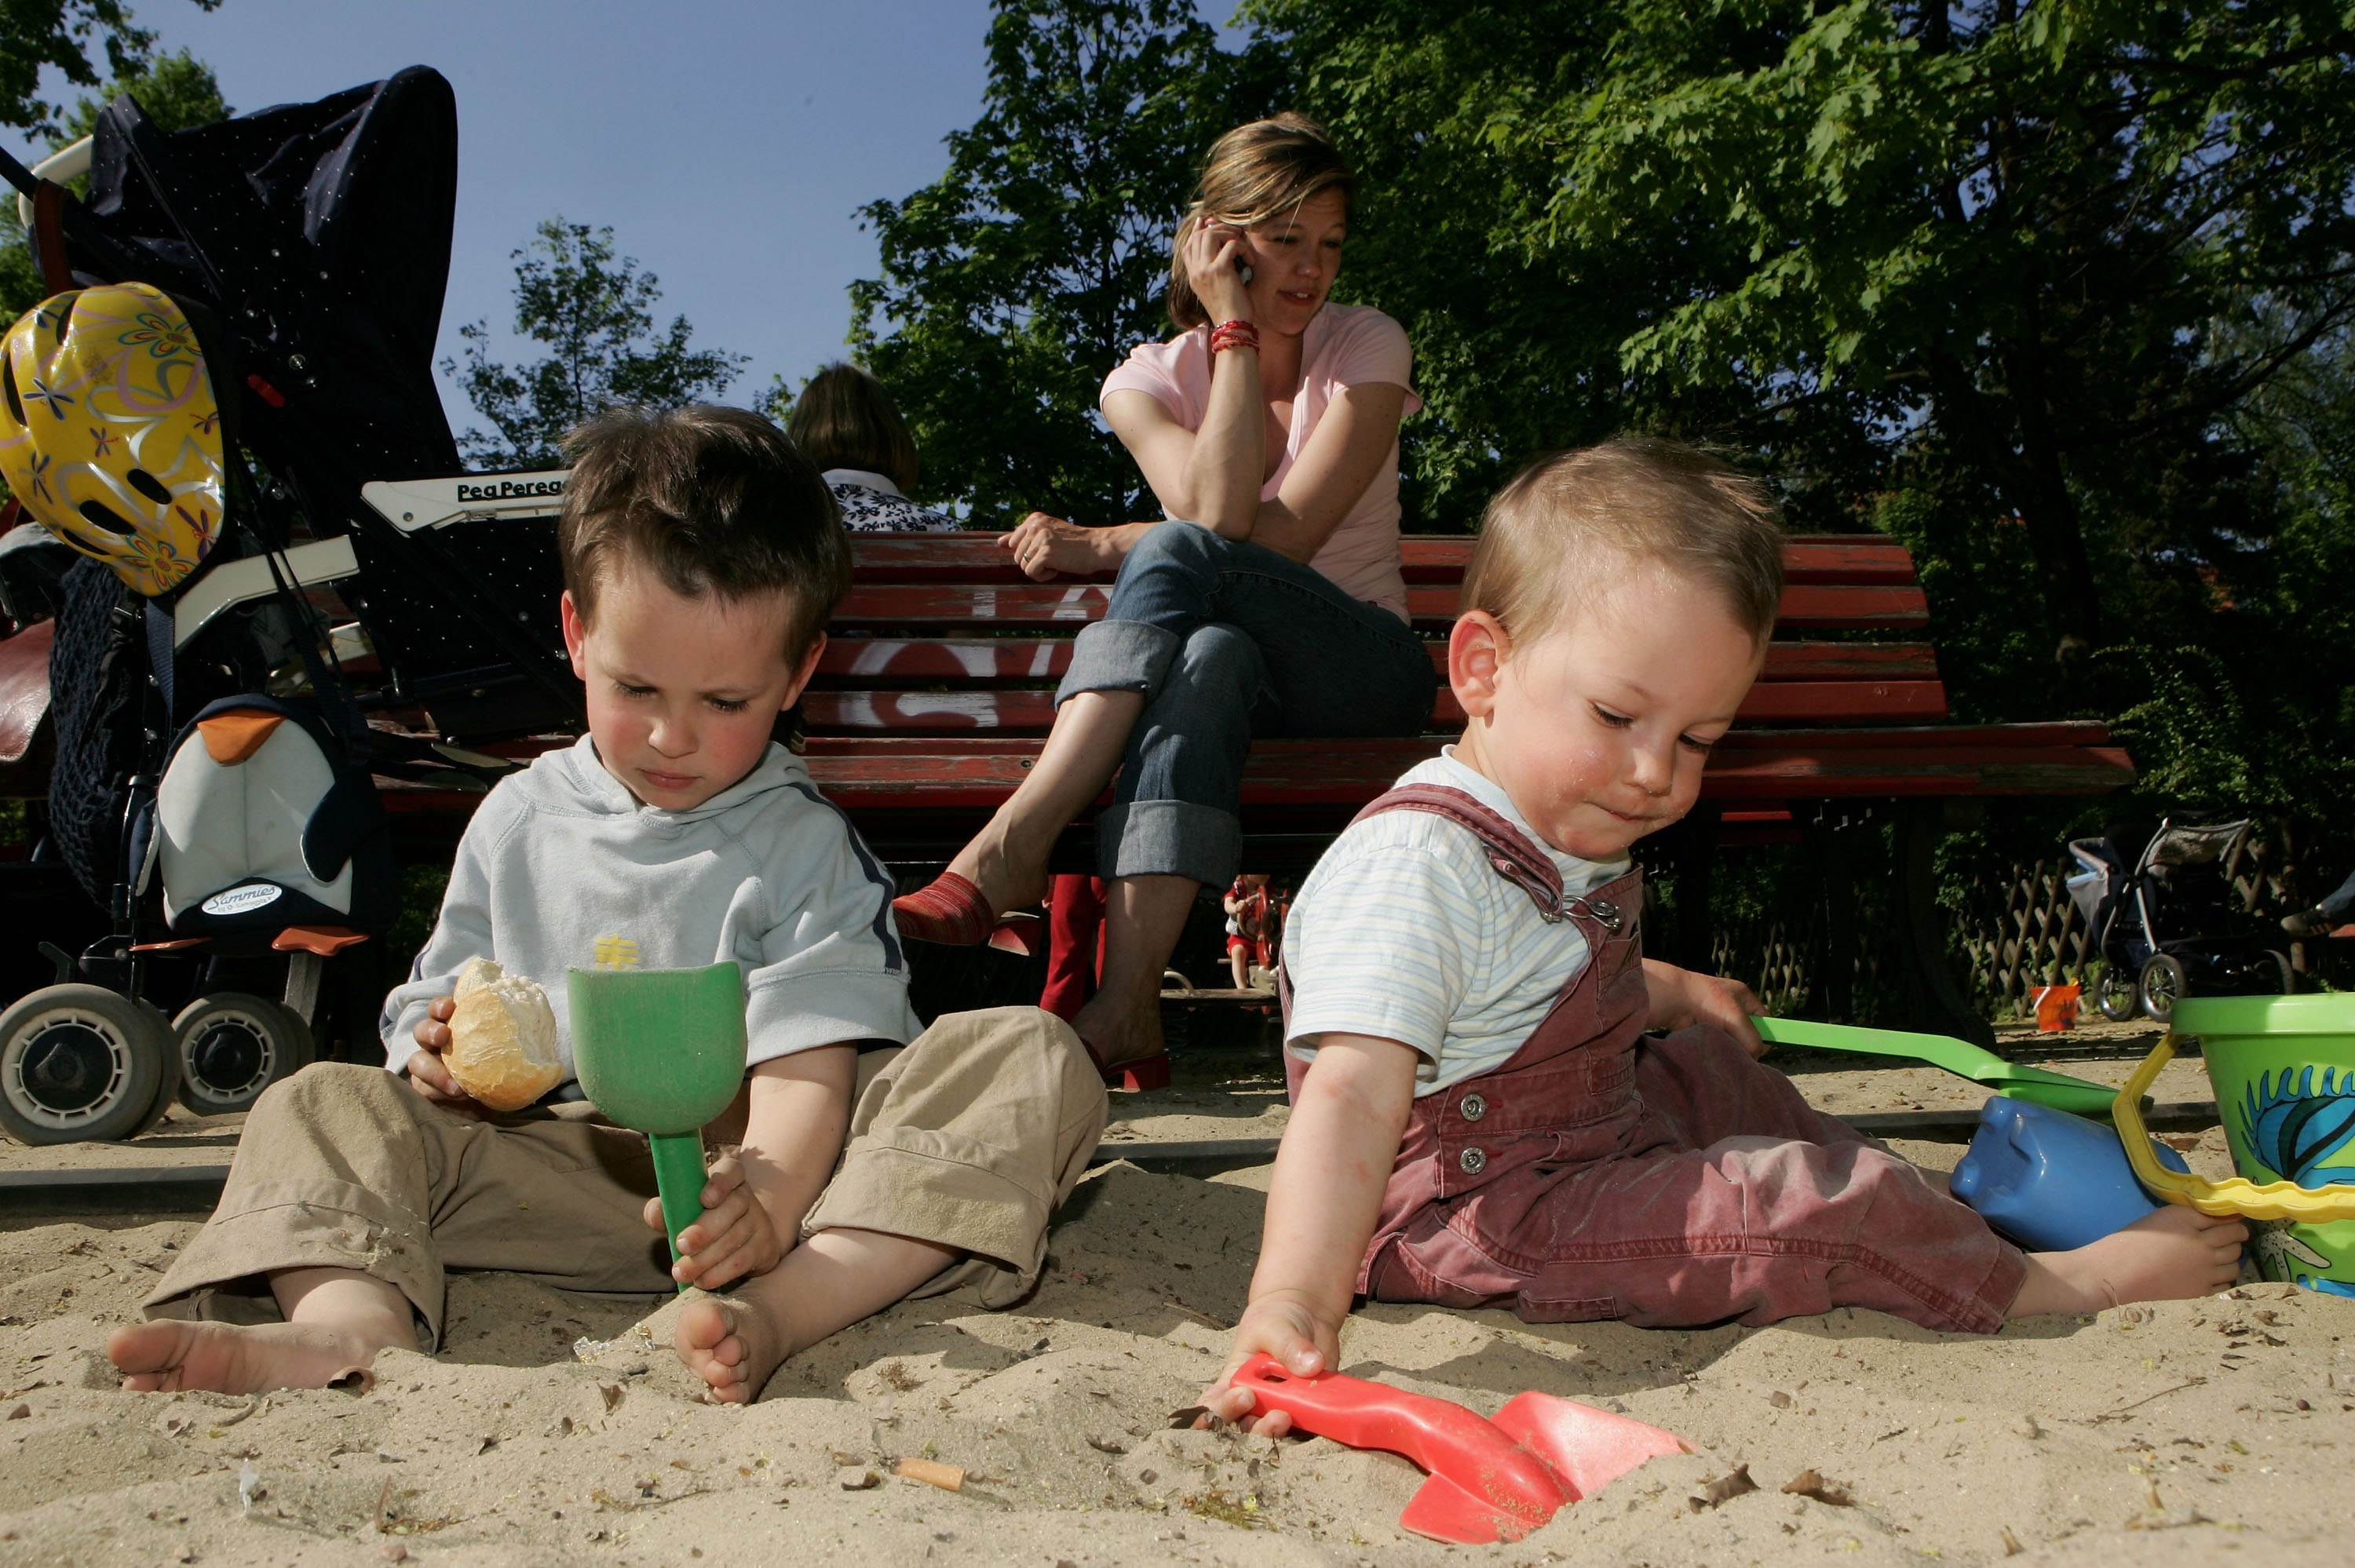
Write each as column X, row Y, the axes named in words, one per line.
column 1602, row 911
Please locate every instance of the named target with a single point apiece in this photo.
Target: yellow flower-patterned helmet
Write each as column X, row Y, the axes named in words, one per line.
column 111, row 433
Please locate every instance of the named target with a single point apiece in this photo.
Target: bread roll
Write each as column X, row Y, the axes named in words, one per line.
column 502, row 1037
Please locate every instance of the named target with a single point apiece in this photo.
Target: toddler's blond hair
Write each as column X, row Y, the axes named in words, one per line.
column 1569, row 520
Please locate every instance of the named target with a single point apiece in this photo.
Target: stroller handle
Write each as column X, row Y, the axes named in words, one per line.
column 68, row 163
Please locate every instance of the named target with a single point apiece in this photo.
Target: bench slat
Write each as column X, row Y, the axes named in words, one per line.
column 991, row 659
column 856, row 711
column 976, row 558
column 1075, row 603
column 1314, row 773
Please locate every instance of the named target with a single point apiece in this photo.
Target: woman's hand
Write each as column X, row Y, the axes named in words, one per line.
column 1280, row 1324
column 1682, row 999
column 730, row 1239
column 1214, row 254
column 1046, row 547
column 427, row 1073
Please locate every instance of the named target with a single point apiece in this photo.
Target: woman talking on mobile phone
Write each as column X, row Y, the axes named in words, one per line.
column 1269, row 602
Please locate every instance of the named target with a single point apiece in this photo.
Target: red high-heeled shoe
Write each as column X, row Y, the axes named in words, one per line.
column 952, row 912
column 1136, row 1077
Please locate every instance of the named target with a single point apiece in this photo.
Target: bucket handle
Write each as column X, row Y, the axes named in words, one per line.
column 2235, row 1195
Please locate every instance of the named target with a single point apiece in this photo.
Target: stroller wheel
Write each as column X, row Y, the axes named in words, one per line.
column 231, row 1045
column 2117, row 995
column 2163, row 986
column 80, row 1064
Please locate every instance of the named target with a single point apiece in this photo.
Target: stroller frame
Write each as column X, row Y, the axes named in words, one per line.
column 315, row 238
column 2144, row 971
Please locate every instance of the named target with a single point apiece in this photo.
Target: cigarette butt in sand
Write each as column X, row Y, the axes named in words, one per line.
column 932, row 1473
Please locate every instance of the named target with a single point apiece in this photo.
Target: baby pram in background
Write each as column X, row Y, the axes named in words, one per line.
column 2161, row 920
column 308, row 246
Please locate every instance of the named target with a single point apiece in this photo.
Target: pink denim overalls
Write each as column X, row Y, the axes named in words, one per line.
column 1667, row 1181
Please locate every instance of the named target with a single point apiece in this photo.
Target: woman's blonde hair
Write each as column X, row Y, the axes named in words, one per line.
column 844, row 418
column 1252, row 173
column 1556, row 536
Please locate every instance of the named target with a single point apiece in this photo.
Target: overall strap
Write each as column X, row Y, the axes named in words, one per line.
column 1515, row 858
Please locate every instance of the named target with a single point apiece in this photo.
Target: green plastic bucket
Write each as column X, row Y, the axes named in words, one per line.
column 2284, row 1072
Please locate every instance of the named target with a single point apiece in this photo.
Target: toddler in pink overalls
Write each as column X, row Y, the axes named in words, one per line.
column 1492, row 1116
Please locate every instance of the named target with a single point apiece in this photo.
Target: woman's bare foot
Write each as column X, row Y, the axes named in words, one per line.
column 235, row 1358
column 1121, row 1028
column 732, row 1341
column 1010, row 876
column 2170, row 1253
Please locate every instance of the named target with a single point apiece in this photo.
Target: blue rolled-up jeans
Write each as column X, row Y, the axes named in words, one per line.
column 1227, row 641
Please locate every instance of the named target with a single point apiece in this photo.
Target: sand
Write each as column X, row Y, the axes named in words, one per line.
column 2220, row 1429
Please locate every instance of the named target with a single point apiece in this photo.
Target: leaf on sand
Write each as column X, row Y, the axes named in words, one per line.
column 1807, row 1483
column 1725, row 1487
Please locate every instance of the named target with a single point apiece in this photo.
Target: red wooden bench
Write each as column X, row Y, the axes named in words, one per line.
column 937, row 689
column 938, row 685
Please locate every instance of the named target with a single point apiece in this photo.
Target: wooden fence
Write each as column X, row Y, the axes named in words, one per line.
column 2013, row 929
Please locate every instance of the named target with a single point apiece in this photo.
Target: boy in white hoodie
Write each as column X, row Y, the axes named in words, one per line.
column 702, row 556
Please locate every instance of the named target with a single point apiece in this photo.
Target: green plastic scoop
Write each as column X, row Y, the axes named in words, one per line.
column 661, row 1051
column 2040, row 1085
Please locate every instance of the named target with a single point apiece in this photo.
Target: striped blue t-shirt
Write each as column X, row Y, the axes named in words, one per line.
column 1405, row 932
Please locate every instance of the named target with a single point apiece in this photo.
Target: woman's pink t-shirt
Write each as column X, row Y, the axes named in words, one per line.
column 1345, row 345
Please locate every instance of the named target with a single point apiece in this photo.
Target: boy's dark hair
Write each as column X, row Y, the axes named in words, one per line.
column 844, row 418
column 713, row 500
column 1555, row 535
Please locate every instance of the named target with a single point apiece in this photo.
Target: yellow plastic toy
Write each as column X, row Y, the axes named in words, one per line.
column 2235, row 1195
column 111, row 433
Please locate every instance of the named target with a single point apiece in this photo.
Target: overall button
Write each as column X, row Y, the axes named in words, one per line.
column 1474, row 1162
column 1473, row 1107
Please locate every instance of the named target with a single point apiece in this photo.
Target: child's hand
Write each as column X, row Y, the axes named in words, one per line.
column 1279, row 1324
column 427, row 1074
column 1682, row 999
column 731, row 1239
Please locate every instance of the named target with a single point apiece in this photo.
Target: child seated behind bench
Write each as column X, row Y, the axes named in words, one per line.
column 1483, row 1119
column 702, row 556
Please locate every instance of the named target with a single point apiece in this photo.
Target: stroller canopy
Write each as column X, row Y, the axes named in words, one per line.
column 318, row 235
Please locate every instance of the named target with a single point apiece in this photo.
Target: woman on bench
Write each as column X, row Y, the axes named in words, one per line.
column 1270, row 602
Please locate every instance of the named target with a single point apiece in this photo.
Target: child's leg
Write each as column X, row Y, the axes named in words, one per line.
column 2169, row 1255
column 1710, row 1089
column 337, row 1320
column 961, row 1149
column 349, row 1191
column 1751, row 1228
column 1239, row 963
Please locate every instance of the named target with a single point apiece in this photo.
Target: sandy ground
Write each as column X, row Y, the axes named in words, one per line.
column 2183, row 1432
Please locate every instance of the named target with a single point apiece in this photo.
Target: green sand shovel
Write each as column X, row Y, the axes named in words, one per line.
column 661, row 1051
column 2038, row 1085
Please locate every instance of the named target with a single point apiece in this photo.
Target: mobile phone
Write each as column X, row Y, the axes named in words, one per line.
column 1243, row 271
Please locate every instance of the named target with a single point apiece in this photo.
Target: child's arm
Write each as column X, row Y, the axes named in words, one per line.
column 1682, row 999
column 753, row 1204
column 1330, row 1170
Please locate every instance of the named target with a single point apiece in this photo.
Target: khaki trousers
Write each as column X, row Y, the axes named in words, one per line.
column 969, row 1138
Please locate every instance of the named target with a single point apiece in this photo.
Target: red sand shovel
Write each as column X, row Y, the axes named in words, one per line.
column 1490, row 1480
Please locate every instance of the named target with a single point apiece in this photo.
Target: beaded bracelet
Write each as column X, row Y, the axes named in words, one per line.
column 1235, row 333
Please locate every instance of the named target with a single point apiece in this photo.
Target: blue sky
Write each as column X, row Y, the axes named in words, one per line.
column 726, row 142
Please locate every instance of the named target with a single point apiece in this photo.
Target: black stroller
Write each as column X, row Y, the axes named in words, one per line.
column 361, row 594
column 2160, row 921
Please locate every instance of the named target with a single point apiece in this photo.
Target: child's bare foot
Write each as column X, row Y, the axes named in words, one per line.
column 232, row 1358
column 731, row 1343
column 2169, row 1255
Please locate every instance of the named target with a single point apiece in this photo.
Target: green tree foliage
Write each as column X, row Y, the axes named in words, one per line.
column 61, row 34
column 594, row 311
column 1997, row 240
column 1013, row 284
column 176, row 90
